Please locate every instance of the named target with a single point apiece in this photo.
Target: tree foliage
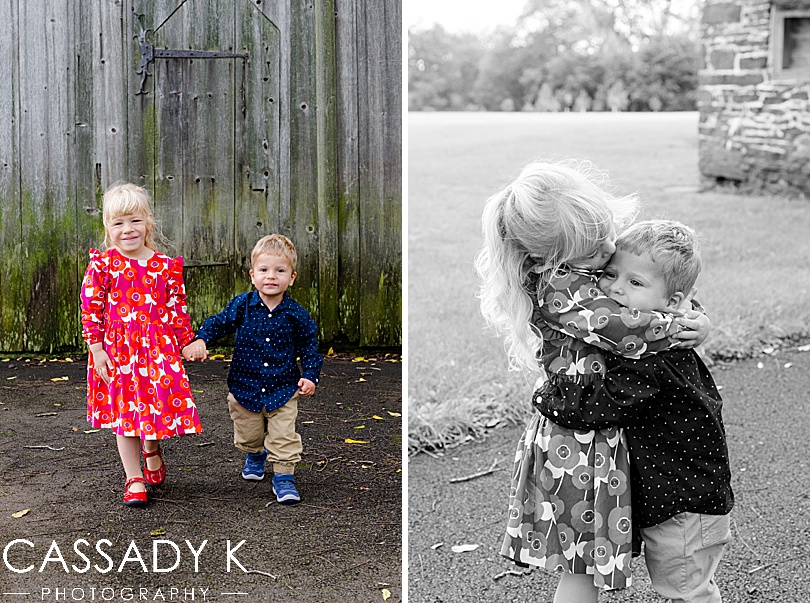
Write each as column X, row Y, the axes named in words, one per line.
column 563, row 55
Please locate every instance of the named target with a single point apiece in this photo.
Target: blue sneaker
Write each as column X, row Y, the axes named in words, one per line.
column 284, row 489
column 254, row 466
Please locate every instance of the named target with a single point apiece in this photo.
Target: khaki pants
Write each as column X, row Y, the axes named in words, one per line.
column 682, row 555
column 273, row 431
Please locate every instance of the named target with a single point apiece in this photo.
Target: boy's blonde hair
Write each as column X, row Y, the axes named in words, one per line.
column 553, row 212
column 672, row 246
column 275, row 244
column 126, row 199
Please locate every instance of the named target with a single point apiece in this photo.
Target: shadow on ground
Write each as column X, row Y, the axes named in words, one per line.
column 341, row 543
column 765, row 413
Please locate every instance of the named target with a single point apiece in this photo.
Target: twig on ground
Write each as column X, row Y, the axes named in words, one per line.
column 262, row 573
column 736, row 527
column 493, row 468
column 757, row 512
column 510, row 571
column 772, row 563
column 46, row 446
column 205, row 444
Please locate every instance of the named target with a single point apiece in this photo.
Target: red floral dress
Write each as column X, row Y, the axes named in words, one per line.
column 569, row 503
column 137, row 308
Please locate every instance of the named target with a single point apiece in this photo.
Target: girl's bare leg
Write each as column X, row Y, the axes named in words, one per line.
column 576, row 588
column 129, row 449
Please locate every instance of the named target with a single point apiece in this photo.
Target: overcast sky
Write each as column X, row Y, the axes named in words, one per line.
column 462, row 15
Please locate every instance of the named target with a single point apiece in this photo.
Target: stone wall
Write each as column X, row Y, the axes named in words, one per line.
column 754, row 129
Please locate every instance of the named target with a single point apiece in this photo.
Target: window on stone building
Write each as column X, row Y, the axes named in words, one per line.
column 790, row 44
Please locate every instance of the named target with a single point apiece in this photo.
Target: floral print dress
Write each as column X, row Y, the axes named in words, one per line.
column 569, row 503
column 137, row 309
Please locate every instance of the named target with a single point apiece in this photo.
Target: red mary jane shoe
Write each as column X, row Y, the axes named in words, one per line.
column 134, row 499
column 153, row 478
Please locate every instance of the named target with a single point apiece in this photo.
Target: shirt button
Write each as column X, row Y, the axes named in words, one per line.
column 270, row 315
column 262, row 390
column 268, row 339
column 265, row 364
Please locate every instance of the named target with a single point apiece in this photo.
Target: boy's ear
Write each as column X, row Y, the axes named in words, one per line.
column 292, row 277
column 675, row 300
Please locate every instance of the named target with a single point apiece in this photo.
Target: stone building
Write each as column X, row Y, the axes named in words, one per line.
column 753, row 98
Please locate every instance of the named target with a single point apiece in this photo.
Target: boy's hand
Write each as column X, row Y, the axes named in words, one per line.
column 196, row 350
column 305, row 387
column 694, row 328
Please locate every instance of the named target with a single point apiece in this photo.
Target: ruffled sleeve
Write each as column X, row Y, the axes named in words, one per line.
column 176, row 303
column 95, row 286
column 572, row 304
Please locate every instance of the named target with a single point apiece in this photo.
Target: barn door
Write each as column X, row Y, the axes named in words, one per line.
column 200, row 164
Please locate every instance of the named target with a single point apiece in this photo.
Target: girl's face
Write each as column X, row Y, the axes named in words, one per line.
column 599, row 258
column 128, row 234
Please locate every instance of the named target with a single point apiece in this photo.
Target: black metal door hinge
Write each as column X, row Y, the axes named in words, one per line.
column 149, row 53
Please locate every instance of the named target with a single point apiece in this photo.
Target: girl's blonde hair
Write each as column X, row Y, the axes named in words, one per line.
column 553, row 212
column 126, row 199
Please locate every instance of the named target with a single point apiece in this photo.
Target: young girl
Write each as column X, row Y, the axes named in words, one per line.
column 135, row 322
column 546, row 236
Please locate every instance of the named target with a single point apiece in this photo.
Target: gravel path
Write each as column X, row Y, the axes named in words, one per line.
column 766, row 418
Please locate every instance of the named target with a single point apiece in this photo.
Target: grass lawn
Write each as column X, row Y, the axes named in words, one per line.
column 754, row 285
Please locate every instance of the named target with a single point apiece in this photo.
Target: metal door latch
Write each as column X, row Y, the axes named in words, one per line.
column 149, row 53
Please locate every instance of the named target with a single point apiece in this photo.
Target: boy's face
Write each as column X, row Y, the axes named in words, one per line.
column 272, row 275
column 636, row 282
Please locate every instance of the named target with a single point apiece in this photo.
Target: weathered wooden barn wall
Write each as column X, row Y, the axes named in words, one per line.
column 754, row 119
column 297, row 130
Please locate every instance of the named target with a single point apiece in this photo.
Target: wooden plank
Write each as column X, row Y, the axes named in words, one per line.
column 301, row 225
column 259, row 155
column 47, row 208
column 12, row 301
column 372, row 207
column 391, row 319
column 208, row 97
column 327, row 166
column 348, row 177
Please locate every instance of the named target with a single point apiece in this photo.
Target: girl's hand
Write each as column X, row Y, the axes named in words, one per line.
column 103, row 365
column 305, row 387
column 694, row 328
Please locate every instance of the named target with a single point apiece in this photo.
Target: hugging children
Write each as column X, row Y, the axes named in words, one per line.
column 547, row 237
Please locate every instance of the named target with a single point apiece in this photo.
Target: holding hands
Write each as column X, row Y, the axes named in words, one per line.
column 196, row 350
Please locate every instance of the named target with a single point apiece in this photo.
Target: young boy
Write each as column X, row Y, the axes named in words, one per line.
column 264, row 380
column 671, row 411
column 681, row 479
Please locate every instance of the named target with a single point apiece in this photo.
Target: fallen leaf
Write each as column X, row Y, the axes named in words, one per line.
column 158, row 532
column 464, row 548
column 379, row 418
column 760, row 365
column 437, row 545
column 216, row 356
column 91, row 430
column 359, row 426
column 351, row 441
column 788, row 364
column 360, row 380
column 307, row 422
column 60, row 379
column 46, row 414
column 801, row 348
column 10, row 378
column 359, row 359
column 394, row 414
column 19, row 514
column 57, row 404
column 5, row 360
column 75, row 429
column 68, row 360
column 198, row 391
column 331, row 352
column 386, row 594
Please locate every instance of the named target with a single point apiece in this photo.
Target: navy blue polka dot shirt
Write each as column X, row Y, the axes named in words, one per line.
column 264, row 372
